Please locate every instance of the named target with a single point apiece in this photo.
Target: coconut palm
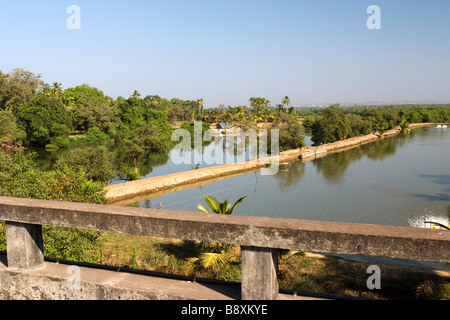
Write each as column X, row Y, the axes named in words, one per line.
column 200, row 103
column 136, row 94
column 57, row 89
column 286, row 101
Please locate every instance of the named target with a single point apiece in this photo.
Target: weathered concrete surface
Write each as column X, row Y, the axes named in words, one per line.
column 259, row 283
column 133, row 189
column 259, row 238
column 277, row 233
column 53, row 281
column 24, row 245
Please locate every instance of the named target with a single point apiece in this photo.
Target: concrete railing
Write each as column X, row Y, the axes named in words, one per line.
column 259, row 237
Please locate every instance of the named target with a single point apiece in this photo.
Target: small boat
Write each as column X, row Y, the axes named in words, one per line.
column 444, row 126
column 439, row 126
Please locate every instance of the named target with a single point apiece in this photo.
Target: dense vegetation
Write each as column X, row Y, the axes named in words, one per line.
column 94, row 139
column 20, row 177
column 337, row 123
column 119, row 138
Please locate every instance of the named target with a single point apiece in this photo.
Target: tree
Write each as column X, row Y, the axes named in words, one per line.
column 135, row 94
column 330, row 126
column 200, row 103
column 258, row 103
column 95, row 161
column 18, row 87
column 138, row 144
column 45, row 120
column 9, row 130
column 90, row 108
column 291, row 133
column 266, row 114
column 57, row 89
column 174, row 112
column 286, row 102
column 357, row 125
column 20, row 177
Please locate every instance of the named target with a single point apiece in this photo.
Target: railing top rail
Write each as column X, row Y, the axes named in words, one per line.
column 334, row 237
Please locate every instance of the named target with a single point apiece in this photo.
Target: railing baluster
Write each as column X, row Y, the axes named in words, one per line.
column 259, row 273
column 24, row 245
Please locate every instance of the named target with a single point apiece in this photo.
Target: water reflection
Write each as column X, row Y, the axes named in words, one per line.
column 391, row 181
column 290, row 175
column 381, row 149
column 333, row 166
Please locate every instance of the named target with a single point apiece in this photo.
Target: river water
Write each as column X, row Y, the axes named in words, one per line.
column 399, row 181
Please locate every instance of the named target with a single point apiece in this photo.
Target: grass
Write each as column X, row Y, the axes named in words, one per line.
column 297, row 270
column 161, row 255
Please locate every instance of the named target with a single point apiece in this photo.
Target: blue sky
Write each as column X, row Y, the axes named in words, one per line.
column 226, row 51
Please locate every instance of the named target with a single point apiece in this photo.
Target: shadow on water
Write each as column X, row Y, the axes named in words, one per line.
column 441, row 179
column 441, row 197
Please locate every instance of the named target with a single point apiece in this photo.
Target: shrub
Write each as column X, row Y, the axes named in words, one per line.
column 20, row 177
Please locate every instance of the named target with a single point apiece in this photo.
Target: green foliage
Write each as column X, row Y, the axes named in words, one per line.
column 291, row 132
column 215, row 255
column 89, row 108
column 2, row 236
column 95, row 161
column 220, row 207
column 330, row 126
column 18, row 87
column 190, row 126
column 9, row 130
column 44, row 119
column 94, row 135
column 138, row 145
column 71, row 244
column 336, row 123
column 20, row 177
column 258, row 103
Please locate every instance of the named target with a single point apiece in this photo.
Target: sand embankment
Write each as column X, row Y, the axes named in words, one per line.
column 135, row 188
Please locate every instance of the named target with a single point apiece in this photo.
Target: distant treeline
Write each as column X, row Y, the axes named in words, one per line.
column 123, row 132
column 121, row 138
column 125, row 138
column 336, row 123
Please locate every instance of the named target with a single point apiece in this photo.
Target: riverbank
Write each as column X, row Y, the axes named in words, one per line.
column 132, row 189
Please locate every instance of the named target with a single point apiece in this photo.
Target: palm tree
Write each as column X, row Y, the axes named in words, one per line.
column 286, row 101
column 136, row 94
column 57, row 89
column 200, row 103
column 259, row 103
column 216, row 253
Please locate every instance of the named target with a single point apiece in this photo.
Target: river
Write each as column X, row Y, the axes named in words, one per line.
column 398, row 181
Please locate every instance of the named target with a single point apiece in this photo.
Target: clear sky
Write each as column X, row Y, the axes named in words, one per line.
column 226, row 51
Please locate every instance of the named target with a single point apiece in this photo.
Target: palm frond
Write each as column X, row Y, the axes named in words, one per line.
column 238, row 202
column 212, row 203
column 201, row 208
column 212, row 259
